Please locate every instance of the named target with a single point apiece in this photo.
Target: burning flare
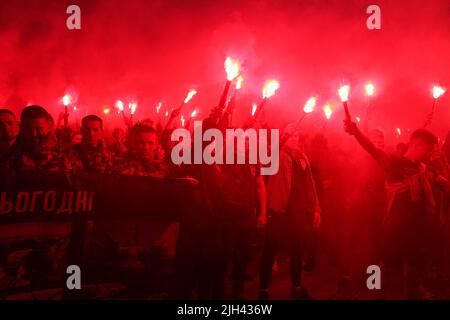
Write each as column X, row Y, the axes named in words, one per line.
column 182, row 121
column 254, row 107
column 119, row 105
column 269, row 89
column 66, row 100
column 232, row 68
column 158, row 107
column 239, row 81
column 194, row 113
column 328, row 111
column 438, row 91
column 106, row 111
column 344, row 93
column 370, row 89
column 399, row 131
column 132, row 107
column 190, row 95
column 310, row 105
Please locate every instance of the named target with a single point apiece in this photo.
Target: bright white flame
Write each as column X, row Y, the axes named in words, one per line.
column 232, row 68
column 182, row 121
column 358, row 119
column 399, row 131
column 438, row 91
column 310, row 105
column 269, row 89
column 190, row 95
column 370, row 89
column 167, row 113
column 132, row 107
column 119, row 105
column 106, row 111
column 194, row 113
column 66, row 100
column 74, row 108
column 239, row 81
column 254, row 107
column 344, row 93
column 328, row 111
column 158, row 107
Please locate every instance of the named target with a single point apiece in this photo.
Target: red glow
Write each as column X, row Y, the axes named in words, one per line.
column 232, row 68
column 269, row 89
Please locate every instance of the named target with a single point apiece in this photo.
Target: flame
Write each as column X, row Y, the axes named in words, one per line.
column 194, row 113
column 399, row 131
column 167, row 113
column 190, row 95
column 239, row 81
column 232, row 68
column 66, row 100
column 254, row 107
column 344, row 93
column 182, row 121
column 310, row 105
column 370, row 89
column 269, row 89
column 106, row 111
column 328, row 111
column 132, row 107
column 358, row 119
column 119, row 105
column 158, row 107
column 438, row 91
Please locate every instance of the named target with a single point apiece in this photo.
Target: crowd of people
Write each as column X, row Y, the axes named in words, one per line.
column 391, row 210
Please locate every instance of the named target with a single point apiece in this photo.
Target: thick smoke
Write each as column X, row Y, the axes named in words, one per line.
column 157, row 50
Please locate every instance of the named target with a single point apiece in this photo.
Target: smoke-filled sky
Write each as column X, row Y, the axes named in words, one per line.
column 156, row 50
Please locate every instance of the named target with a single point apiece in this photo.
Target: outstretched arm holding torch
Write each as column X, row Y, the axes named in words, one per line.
column 379, row 155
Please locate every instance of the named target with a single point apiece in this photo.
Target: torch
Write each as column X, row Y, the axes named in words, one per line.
column 370, row 91
column 121, row 109
column 66, row 100
column 176, row 111
column 189, row 120
column 438, row 91
column 309, row 107
column 254, row 108
column 158, row 108
column 133, row 107
column 269, row 89
column 343, row 94
column 327, row 111
column 232, row 69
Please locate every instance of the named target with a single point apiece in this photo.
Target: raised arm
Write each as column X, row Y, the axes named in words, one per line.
column 379, row 155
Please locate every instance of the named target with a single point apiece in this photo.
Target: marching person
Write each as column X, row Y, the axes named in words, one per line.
column 293, row 211
column 410, row 206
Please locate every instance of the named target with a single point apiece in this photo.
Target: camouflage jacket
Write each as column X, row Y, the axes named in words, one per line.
column 86, row 158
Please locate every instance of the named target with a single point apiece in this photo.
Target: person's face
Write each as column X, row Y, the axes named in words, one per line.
column 145, row 145
column 35, row 130
column 292, row 142
column 422, row 151
column 9, row 127
column 92, row 132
